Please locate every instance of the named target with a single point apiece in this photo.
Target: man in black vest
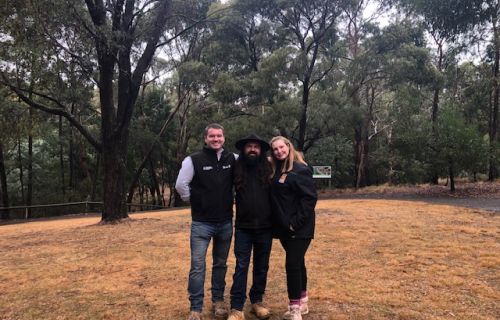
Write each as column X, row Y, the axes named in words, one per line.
column 252, row 176
column 206, row 180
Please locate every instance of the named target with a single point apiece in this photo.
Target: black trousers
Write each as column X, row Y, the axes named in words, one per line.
column 295, row 266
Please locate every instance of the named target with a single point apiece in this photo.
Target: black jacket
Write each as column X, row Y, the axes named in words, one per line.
column 253, row 202
column 294, row 198
column 212, row 186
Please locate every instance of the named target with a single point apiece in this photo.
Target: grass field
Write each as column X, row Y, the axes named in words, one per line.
column 371, row 259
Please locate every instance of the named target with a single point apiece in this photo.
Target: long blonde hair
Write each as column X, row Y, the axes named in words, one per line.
column 293, row 155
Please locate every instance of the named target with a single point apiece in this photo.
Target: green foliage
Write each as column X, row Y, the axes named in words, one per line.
column 460, row 144
column 194, row 74
column 268, row 67
column 448, row 18
column 226, row 89
column 337, row 153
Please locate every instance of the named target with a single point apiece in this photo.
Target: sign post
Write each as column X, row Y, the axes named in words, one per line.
column 323, row 172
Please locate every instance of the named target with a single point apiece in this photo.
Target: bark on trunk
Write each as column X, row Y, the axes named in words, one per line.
column 71, row 156
column 493, row 162
column 3, row 186
column 361, row 163
column 61, row 156
column 155, row 186
column 114, row 165
column 29, row 194
column 435, row 109
column 303, row 117
column 451, row 174
column 95, row 178
column 435, row 106
column 21, row 170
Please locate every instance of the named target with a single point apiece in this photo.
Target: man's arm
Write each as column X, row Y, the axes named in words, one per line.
column 184, row 179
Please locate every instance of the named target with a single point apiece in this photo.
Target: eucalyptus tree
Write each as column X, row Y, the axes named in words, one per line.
column 22, row 59
column 363, row 73
column 3, row 185
column 445, row 21
column 460, row 145
column 149, row 118
column 4, row 128
column 124, row 37
column 379, row 62
column 184, row 87
column 272, row 55
column 309, row 32
column 488, row 12
column 239, row 42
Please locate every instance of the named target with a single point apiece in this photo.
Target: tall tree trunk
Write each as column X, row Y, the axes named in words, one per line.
column 434, row 116
column 4, row 215
column 95, row 178
column 361, row 125
column 360, row 160
column 303, row 116
column 71, row 156
column 61, row 155
column 435, row 105
column 115, row 168
column 21, row 169
column 361, row 139
column 154, row 183
column 29, row 194
column 493, row 162
column 451, row 174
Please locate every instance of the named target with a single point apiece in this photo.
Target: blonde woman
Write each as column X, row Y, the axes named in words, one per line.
column 293, row 197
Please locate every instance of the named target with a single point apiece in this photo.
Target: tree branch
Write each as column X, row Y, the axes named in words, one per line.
column 55, row 111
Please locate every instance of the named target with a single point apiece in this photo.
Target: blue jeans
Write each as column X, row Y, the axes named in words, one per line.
column 201, row 234
column 244, row 241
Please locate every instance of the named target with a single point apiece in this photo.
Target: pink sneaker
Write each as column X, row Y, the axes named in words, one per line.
column 293, row 312
column 304, row 309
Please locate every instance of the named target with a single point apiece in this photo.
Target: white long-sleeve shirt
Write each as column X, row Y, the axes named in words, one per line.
column 184, row 178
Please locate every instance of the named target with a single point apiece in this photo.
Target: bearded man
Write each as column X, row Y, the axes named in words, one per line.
column 252, row 174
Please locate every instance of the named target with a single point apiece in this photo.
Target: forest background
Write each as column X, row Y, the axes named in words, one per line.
column 101, row 100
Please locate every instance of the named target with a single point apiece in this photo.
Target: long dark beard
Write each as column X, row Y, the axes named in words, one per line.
column 261, row 165
column 251, row 161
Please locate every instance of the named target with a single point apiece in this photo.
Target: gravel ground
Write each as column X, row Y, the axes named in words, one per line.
column 475, row 195
column 488, row 204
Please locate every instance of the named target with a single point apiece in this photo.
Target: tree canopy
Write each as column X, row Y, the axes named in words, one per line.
column 102, row 100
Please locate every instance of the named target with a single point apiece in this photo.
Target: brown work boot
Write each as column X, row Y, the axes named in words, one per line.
column 260, row 310
column 194, row 315
column 236, row 315
column 220, row 310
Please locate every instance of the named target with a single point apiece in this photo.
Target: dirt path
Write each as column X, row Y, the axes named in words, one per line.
column 488, row 204
column 478, row 195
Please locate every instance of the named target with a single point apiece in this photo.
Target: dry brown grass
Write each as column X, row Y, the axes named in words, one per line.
column 371, row 259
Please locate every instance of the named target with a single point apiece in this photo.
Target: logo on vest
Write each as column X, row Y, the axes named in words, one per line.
column 206, row 168
column 226, row 167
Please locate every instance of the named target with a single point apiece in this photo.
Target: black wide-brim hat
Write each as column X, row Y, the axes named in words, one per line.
column 240, row 144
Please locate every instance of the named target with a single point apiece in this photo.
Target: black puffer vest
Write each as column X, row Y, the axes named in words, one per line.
column 212, row 186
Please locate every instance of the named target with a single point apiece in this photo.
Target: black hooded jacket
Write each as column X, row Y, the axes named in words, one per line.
column 293, row 198
column 253, row 201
